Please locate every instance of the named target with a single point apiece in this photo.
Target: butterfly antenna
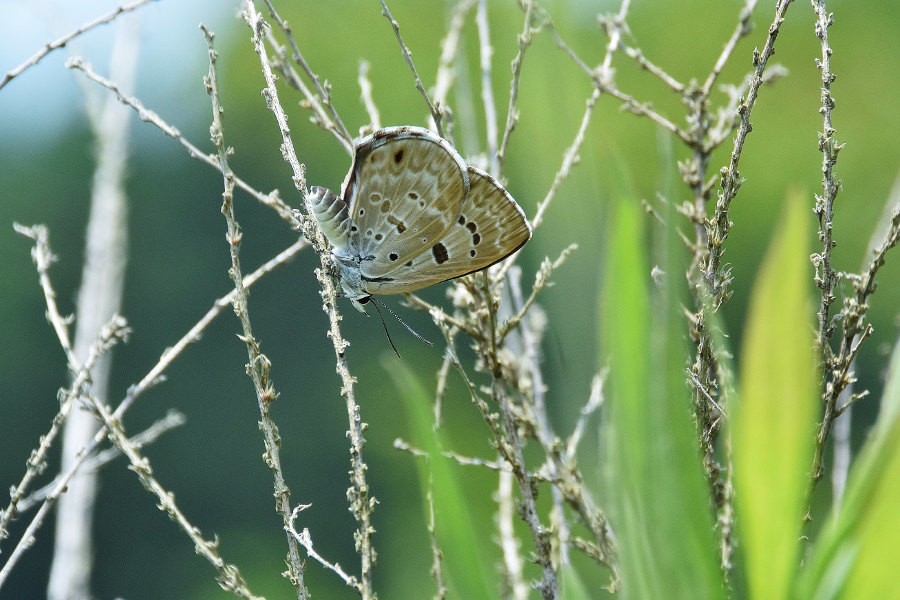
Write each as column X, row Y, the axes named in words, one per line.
column 408, row 328
column 386, row 332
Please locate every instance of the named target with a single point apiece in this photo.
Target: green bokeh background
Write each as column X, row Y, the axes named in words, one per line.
column 178, row 261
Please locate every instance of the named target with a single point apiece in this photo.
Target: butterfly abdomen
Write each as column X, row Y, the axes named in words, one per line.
column 330, row 211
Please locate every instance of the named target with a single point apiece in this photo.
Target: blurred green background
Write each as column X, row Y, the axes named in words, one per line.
column 178, row 259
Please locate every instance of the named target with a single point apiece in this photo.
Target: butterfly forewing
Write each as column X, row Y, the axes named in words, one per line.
column 489, row 227
column 404, row 191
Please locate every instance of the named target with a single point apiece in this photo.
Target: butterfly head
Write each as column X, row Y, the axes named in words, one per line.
column 352, row 283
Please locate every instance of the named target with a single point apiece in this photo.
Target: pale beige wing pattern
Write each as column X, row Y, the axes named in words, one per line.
column 490, row 227
column 404, row 190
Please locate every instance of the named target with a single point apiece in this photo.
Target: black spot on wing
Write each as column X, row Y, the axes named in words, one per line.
column 439, row 251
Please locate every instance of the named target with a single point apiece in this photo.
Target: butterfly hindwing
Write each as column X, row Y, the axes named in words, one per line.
column 404, row 191
column 489, row 227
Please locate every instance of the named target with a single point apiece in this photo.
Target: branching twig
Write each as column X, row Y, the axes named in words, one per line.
column 172, row 420
column 630, row 103
column 365, row 90
column 61, row 42
column 114, row 331
column 361, row 503
column 486, row 51
column 44, row 257
column 326, row 114
column 436, row 114
column 271, row 200
column 836, row 370
column 305, row 540
column 720, row 225
column 614, row 26
column 258, row 367
column 855, row 329
column 524, row 40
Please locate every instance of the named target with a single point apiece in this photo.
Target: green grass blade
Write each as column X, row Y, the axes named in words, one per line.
column 774, row 421
column 856, row 556
column 659, row 507
column 467, row 568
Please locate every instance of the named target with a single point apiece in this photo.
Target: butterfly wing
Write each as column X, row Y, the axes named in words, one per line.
column 490, row 227
column 404, row 191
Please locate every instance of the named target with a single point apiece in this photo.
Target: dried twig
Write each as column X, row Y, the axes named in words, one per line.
column 61, row 42
column 325, row 113
column 258, row 366
column 271, row 200
column 487, row 92
column 365, row 90
column 512, row 115
column 361, row 504
column 436, row 114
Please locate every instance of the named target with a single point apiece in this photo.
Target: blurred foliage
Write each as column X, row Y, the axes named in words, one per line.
column 656, row 491
column 178, row 263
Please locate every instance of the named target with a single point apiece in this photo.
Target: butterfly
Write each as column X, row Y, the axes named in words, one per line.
column 413, row 214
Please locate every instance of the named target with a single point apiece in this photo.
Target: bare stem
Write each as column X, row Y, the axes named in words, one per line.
column 524, row 40
column 487, row 91
column 835, row 369
column 361, row 504
column 720, row 225
column 258, row 367
column 436, row 114
column 325, row 113
column 271, row 200
column 61, row 42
